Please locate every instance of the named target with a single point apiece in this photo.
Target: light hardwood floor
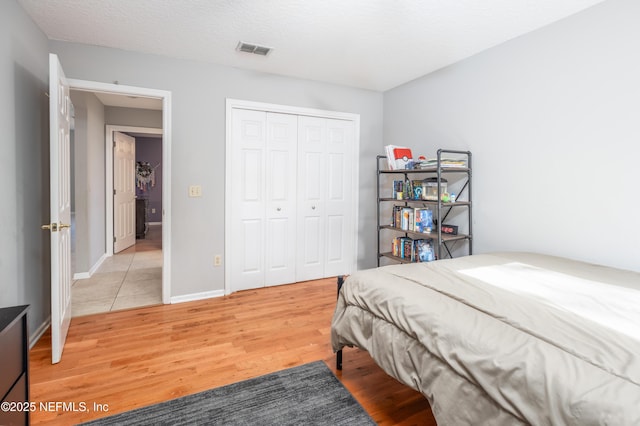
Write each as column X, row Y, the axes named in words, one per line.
column 128, row 359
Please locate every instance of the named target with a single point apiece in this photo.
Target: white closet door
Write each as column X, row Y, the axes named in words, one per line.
column 339, row 213
column 311, row 198
column 248, row 199
column 282, row 140
column 292, row 214
column 263, row 204
column 326, row 235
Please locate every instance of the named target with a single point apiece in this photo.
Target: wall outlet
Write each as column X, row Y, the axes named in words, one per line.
column 217, row 260
column 195, row 191
column 153, row 211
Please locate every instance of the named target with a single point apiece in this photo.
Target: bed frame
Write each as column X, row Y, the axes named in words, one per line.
column 339, row 353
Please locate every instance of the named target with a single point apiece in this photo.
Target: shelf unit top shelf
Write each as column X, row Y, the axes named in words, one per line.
column 429, row 170
column 427, row 202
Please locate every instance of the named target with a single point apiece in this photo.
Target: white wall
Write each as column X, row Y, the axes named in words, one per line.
column 552, row 120
column 24, row 165
column 199, row 91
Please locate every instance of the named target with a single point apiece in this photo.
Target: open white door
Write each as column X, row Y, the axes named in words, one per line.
column 60, row 123
column 124, row 191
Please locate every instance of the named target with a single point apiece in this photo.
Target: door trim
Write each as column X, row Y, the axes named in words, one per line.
column 108, row 136
column 232, row 104
column 94, row 86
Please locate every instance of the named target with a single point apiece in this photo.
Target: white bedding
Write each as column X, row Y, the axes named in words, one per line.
column 505, row 338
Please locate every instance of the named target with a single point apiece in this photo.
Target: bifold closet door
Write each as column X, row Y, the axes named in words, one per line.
column 325, row 235
column 282, row 139
column 263, row 199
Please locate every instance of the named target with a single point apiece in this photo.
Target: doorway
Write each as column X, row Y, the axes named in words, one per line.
column 165, row 132
column 131, row 276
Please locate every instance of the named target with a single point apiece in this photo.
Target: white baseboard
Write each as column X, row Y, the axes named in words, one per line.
column 197, row 296
column 36, row 335
column 94, row 268
column 155, row 223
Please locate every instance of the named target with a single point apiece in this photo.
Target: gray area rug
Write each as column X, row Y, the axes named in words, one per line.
column 309, row 394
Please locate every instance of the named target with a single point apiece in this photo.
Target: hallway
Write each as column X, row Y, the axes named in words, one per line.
column 129, row 279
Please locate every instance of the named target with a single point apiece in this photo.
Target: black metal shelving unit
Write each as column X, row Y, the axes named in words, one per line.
column 443, row 243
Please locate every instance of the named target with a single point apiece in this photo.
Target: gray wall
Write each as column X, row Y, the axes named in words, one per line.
column 89, row 180
column 133, row 117
column 24, row 164
column 552, row 120
column 199, row 91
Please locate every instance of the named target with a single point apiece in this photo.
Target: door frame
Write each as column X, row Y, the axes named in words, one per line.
column 232, row 104
column 94, row 86
column 110, row 129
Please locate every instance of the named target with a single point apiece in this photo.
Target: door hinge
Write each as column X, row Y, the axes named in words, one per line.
column 114, row 239
column 114, row 192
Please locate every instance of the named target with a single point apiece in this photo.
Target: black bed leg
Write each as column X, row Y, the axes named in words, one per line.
column 339, row 353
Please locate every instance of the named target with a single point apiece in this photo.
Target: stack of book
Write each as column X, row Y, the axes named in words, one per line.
column 444, row 162
column 415, row 219
column 419, row 250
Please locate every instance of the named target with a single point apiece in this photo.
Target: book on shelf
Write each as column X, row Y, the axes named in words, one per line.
column 423, row 220
column 424, row 250
column 398, row 188
column 418, row 250
column 418, row 219
column 408, row 222
column 407, row 245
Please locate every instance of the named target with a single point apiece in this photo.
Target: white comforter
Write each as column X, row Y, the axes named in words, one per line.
column 504, row 338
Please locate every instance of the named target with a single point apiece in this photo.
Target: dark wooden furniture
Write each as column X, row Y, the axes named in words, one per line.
column 14, row 366
column 141, row 217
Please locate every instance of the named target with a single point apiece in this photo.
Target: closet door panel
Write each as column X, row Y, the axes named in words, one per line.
column 248, row 200
column 340, row 235
column 311, row 198
column 335, row 233
column 282, row 142
column 252, row 264
column 311, row 249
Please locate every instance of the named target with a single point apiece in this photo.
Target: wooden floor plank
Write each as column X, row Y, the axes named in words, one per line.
column 128, row 359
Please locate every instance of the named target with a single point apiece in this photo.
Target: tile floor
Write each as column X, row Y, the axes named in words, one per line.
column 129, row 279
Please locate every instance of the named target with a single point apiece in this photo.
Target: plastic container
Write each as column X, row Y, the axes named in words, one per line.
column 430, row 188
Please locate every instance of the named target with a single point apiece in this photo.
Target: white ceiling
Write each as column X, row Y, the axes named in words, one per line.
column 371, row 44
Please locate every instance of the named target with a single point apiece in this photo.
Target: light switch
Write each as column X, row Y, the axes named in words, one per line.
column 195, row 191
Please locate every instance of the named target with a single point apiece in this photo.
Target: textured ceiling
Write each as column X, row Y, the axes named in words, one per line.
column 372, row 44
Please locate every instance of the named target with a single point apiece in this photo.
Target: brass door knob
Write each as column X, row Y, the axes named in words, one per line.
column 54, row 227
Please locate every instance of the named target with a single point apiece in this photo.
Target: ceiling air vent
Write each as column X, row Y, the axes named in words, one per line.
column 253, row 48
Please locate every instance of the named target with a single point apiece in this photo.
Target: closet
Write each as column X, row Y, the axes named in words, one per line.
column 292, row 207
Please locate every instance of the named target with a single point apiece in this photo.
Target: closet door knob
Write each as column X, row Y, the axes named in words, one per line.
column 278, row 209
column 313, row 207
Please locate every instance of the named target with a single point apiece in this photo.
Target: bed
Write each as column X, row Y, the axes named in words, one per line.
column 502, row 338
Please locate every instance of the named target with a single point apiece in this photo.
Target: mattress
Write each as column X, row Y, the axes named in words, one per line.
column 502, row 338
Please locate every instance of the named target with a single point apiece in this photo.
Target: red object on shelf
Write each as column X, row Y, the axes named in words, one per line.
column 402, row 157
